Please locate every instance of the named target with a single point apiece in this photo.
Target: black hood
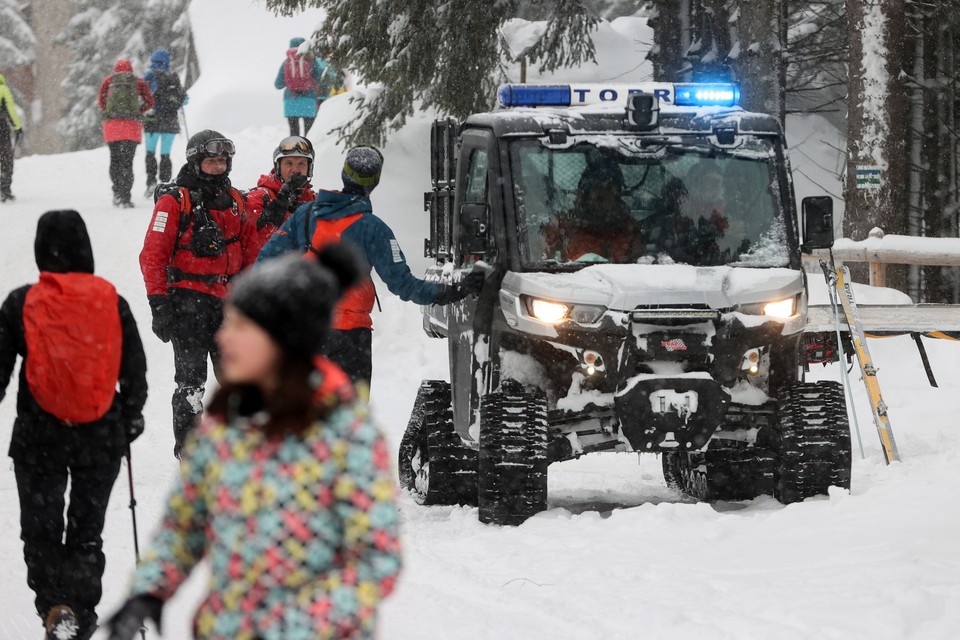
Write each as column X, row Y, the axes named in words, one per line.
column 213, row 189
column 62, row 244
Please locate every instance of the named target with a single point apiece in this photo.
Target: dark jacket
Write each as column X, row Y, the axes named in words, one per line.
column 328, row 216
column 62, row 246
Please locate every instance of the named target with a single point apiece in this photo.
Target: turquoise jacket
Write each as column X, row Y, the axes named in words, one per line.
column 305, row 105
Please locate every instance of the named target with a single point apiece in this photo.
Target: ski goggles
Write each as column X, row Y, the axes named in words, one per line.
column 215, row 147
column 295, row 144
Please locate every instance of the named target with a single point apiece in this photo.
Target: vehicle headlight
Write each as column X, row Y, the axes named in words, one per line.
column 780, row 308
column 546, row 311
column 776, row 309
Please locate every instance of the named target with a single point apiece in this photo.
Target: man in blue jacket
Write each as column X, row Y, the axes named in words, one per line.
column 348, row 215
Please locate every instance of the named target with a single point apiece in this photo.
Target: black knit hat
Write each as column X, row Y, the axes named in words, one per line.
column 361, row 170
column 292, row 298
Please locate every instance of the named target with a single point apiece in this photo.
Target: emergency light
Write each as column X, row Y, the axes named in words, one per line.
column 707, row 94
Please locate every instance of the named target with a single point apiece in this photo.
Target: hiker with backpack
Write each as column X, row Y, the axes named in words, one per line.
column 9, row 119
column 199, row 237
column 286, row 486
column 79, row 406
column 348, row 215
column 122, row 100
column 285, row 188
column 300, row 76
column 162, row 123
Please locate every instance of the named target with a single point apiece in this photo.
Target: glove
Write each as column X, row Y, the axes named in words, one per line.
column 162, row 317
column 17, row 137
column 134, row 427
column 290, row 191
column 274, row 213
column 126, row 622
column 470, row 283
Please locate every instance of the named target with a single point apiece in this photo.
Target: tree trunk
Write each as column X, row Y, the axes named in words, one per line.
column 878, row 112
column 670, row 41
column 761, row 74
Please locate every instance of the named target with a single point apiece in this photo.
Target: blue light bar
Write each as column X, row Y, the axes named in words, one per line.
column 706, row 95
column 533, row 95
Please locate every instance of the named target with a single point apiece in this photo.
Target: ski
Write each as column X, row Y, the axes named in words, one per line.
column 867, row 370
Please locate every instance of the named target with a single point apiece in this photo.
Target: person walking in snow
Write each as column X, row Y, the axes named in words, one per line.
column 199, row 237
column 286, row 485
column 79, row 406
column 286, row 187
column 162, row 123
column 9, row 121
column 122, row 100
column 348, row 214
column 299, row 77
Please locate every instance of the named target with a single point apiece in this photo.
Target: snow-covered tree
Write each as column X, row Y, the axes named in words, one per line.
column 100, row 33
column 449, row 56
column 17, row 40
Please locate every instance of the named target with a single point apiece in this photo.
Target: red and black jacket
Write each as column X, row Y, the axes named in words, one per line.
column 265, row 192
column 167, row 259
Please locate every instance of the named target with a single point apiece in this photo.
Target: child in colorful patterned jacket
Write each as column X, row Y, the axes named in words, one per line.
column 286, row 483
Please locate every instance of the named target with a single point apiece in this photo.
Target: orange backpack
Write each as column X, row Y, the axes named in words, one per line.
column 74, row 340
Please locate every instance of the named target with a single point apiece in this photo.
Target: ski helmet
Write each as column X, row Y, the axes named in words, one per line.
column 293, row 147
column 208, row 144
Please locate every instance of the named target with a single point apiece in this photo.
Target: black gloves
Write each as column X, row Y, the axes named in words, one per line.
column 162, row 316
column 290, row 191
column 133, row 427
column 126, row 622
column 274, row 213
column 470, row 283
column 17, row 137
column 276, row 210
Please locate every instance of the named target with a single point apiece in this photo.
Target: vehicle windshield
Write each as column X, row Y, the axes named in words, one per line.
column 609, row 199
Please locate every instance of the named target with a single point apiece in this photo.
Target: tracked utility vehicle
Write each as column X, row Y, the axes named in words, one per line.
column 644, row 294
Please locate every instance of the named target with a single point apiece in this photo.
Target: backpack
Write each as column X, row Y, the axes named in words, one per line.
column 207, row 240
column 74, row 342
column 298, row 73
column 168, row 94
column 123, row 101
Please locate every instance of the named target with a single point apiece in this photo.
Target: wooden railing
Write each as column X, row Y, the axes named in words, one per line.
column 880, row 249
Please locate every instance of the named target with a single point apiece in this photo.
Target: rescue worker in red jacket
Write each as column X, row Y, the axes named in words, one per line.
column 199, row 237
column 122, row 100
column 285, row 188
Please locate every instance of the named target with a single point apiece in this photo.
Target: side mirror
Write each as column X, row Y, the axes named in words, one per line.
column 474, row 228
column 643, row 110
column 817, row 223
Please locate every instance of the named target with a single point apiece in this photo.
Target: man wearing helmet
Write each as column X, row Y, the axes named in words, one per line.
column 199, row 237
column 285, row 188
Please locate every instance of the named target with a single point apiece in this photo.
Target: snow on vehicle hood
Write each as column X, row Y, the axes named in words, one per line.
column 623, row 287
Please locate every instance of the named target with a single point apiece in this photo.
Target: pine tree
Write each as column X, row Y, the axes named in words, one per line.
column 17, row 40
column 100, row 33
column 449, row 56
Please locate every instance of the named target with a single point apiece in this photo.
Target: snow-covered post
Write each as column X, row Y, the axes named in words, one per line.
column 877, row 172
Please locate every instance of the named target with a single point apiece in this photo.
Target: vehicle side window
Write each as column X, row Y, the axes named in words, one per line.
column 476, row 189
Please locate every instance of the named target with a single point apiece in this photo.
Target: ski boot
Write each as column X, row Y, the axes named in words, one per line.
column 6, row 195
column 61, row 623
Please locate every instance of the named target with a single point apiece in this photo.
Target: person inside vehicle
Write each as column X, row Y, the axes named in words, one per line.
column 599, row 227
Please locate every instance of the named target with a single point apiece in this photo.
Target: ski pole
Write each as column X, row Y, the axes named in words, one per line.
column 831, row 291
column 133, row 513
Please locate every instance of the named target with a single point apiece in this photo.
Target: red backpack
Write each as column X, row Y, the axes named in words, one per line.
column 72, row 330
column 298, row 73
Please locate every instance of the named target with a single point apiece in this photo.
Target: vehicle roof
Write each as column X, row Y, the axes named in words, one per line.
column 529, row 121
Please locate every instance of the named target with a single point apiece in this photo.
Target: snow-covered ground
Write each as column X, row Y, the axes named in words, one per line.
column 617, row 555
